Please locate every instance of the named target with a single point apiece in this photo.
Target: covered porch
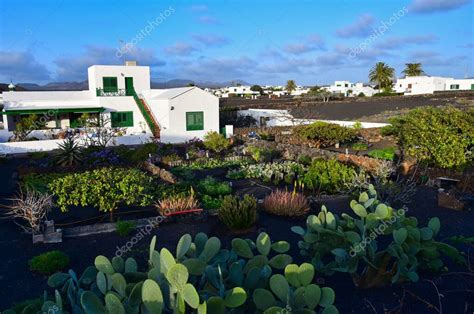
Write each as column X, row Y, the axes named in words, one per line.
column 51, row 118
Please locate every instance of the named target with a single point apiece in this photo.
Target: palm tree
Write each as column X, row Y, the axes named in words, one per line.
column 290, row 86
column 413, row 69
column 382, row 74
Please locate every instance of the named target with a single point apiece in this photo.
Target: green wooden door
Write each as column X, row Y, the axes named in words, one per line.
column 129, row 86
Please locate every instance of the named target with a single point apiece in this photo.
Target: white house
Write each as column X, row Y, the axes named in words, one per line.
column 123, row 95
column 460, row 84
column 348, row 88
column 240, row 91
column 418, row 85
column 300, row 90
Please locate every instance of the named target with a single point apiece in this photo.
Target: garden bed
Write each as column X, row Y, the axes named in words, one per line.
column 453, row 285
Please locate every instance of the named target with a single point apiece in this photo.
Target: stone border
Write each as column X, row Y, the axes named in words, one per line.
column 81, row 231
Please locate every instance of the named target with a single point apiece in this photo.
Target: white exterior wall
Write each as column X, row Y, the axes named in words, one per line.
column 194, row 100
column 140, row 74
column 419, row 85
column 284, row 118
column 464, row 84
column 125, row 103
column 49, row 145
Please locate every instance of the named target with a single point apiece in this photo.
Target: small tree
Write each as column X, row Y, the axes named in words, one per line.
column 32, row 207
column 320, row 93
column 290, row 86
column 98, row 131
column 257, row 88
column 27, row 125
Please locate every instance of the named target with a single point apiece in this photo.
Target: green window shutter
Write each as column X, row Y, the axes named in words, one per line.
column 195, row 121
column 121, row 119
column 110, row 84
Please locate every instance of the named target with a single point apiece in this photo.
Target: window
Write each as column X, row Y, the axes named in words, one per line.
column 110, row 84
column 454, row 86
column 195, row 121
column 121, row 119
column 472, row 86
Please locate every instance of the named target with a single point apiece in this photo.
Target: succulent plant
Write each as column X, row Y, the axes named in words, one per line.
column 201, row 277
column 344, row 243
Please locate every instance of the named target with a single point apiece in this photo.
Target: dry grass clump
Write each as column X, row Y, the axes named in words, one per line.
column 284, row 203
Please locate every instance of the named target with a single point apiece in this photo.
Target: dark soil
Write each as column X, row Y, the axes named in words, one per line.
column 456, row 286
column 372, row 109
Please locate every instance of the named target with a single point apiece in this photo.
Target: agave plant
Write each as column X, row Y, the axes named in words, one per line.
column 69, row 154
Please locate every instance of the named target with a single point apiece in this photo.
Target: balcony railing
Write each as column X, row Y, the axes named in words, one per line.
column 100, row 92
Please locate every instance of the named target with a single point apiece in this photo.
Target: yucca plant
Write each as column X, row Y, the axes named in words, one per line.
column 177, row 203
column 69, row 154
column 285, row 203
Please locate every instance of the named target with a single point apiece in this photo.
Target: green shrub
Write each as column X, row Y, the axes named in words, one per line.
column 238, row 214
column 326, row 134
column 387, row 153
column 260, row 154
column 136, row 155
column 328, row 176
column 360, row 146
column 105, row 189
column 210, row 202
column 38, row 155
column 389, row 130
column 125, row 227
column 39, row 181
column 305, row 160
column 213, row 187
column 443, row 137
column 49, row 262
column 275, row 172
column 166, row 159
column 216, row 142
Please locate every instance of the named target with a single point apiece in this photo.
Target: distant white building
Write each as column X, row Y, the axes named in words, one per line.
column 347, row 89
column 418, row 85
column 239, row 91
column 300, row 90
column 123, row 95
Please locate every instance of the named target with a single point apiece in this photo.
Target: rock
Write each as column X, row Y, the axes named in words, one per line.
column 163, row 174
column 449, row 200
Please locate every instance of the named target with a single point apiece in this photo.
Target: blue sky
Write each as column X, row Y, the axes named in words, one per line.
column 265, row 42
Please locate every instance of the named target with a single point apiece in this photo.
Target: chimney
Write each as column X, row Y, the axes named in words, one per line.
column 130, row 63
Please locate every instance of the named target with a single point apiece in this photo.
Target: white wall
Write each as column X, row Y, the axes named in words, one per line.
column 49, row 145
column 140, row 74
column 194, row 100
column 125, row 103
column 418, row 85
column 464, row 84
column 284, row 118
